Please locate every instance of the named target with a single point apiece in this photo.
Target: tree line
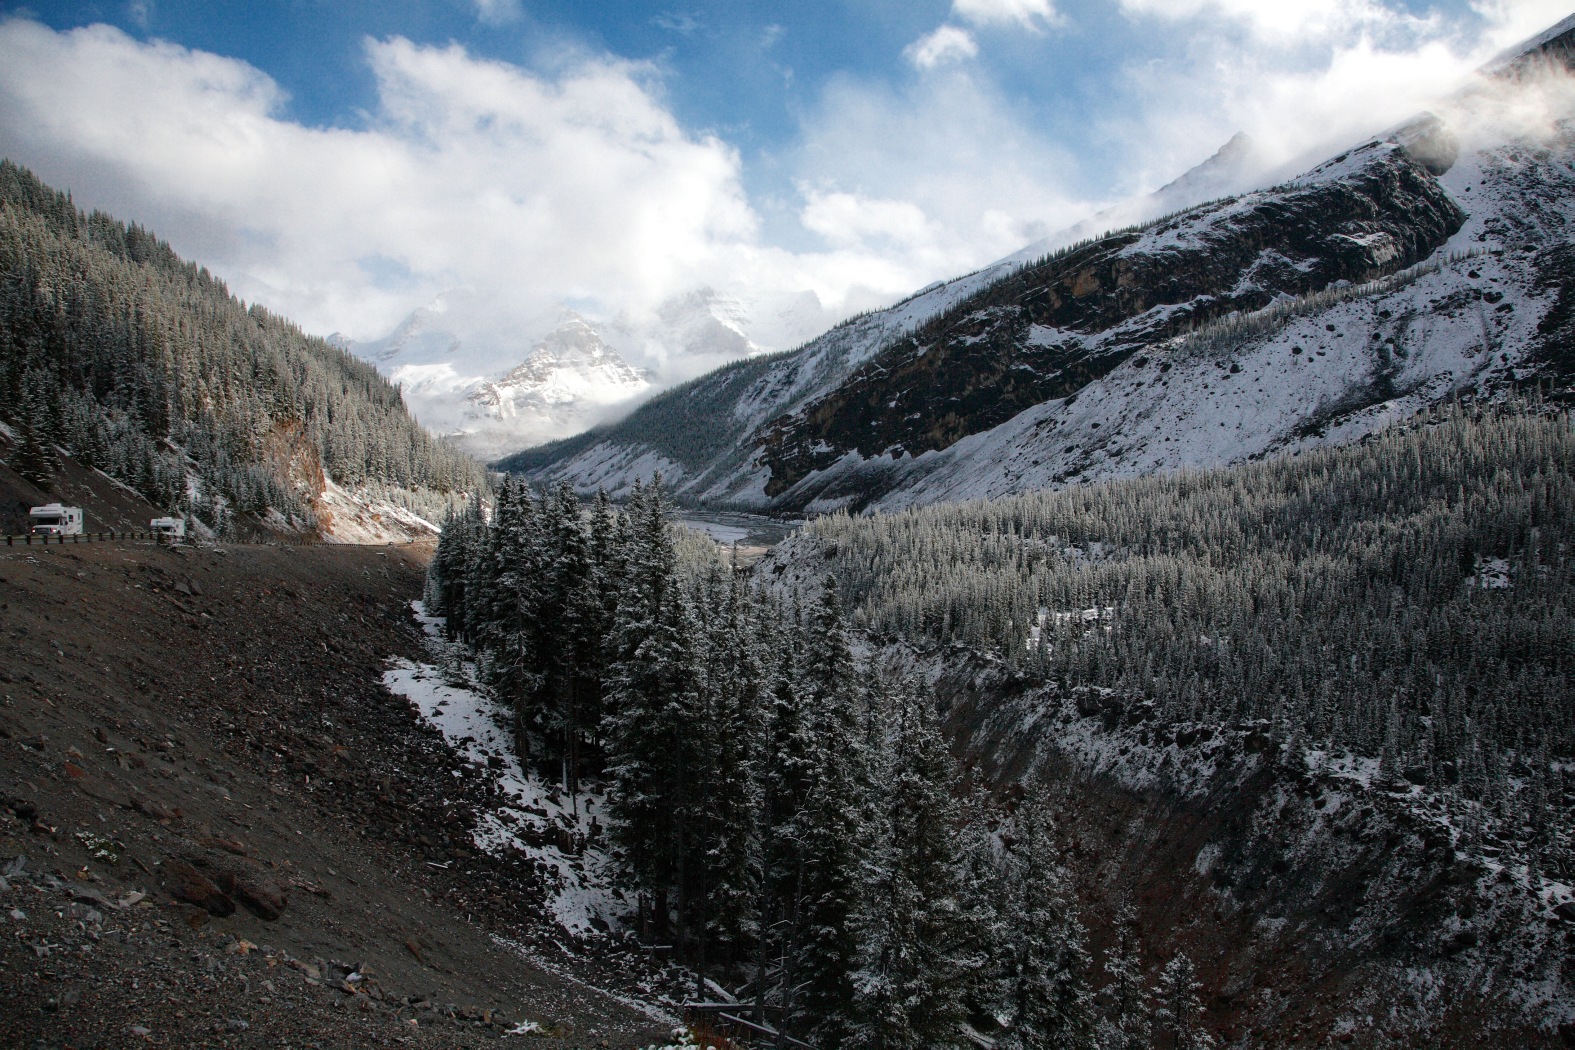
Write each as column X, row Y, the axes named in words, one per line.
column 1406, row 598
column 788, row 817
column 145, row 366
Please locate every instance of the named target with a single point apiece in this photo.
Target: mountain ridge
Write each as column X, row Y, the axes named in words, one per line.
column 834, row 424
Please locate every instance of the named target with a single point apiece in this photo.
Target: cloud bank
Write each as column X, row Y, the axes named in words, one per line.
column 580, row 186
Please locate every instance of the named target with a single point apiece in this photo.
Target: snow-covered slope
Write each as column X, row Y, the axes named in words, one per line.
column 1432, row 259
column 697, row 435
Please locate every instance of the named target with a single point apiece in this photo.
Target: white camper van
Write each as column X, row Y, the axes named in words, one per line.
column 171, row 529
column 52, row 519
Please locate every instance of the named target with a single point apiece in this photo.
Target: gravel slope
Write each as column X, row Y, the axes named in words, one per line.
column 210, row 725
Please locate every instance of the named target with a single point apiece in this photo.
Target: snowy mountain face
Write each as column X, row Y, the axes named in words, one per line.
column 570, row 379
column 446, row 356
column 1432, row 260
column 569, row 376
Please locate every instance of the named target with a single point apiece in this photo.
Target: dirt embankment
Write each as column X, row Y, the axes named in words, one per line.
column 217, row 828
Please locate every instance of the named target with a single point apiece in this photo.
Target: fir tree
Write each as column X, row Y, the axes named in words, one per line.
column 1179, row 1012
column 1126, row 1024
column 911, row 928
column 831, row 833
column 1046, row 963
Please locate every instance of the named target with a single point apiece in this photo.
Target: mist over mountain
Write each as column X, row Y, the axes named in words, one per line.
column 1425, row 262
column 470, row 371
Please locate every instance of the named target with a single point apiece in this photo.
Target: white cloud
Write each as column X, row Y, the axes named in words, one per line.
column 530, row 191
column 951, row 149
column 1029, row 13
column 1318, row 74
column 471, row 173
column 497, row 12
column 581, row 186
column 681, row 22
column 946, row 44
column 849, row 220
column 1277, row 19
column 1303, row 21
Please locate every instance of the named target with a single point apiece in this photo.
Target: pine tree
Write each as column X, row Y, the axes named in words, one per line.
column 733, row 732
column 1179, row 1012
column 34, row 457
column 1046, row 993
column 831, row 833
column 985, row 916
column 1126, row 1024
column 911, row 931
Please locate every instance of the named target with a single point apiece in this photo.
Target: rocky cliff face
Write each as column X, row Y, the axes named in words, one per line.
column 1050, row 329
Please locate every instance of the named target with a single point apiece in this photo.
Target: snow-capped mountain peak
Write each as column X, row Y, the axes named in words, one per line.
column 571, row 368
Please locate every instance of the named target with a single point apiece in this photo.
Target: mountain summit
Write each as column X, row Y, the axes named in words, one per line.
column 570, row 375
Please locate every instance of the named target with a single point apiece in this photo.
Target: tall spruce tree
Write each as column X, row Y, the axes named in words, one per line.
column 1046, row 992
column 911, row 928
column 1179, row 1012
column 1127, row 1023
column 831, row 829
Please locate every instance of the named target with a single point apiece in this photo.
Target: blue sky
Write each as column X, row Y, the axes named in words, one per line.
column 344, row 160
column 748, row 71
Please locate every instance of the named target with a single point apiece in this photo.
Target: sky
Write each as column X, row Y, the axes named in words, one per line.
column 343, row 161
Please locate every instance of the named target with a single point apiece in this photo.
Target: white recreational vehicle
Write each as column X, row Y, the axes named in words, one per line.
column 52, row 519
column 170, row 529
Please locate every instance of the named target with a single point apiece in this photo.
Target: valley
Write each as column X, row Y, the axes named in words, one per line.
column 1160, row 637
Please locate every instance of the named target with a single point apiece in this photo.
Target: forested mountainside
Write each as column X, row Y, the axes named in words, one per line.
column 1331, row 692
column 145, row 366
column 1270, row 751
column 1427, row 261
column 783, row 814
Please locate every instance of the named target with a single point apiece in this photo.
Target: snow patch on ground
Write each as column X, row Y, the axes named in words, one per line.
column 537, row 818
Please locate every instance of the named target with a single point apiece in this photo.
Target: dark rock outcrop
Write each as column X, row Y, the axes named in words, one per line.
column 186, row 883
column 1055, row 326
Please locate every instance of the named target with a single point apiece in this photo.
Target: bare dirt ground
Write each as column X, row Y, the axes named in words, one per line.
column 218, row 829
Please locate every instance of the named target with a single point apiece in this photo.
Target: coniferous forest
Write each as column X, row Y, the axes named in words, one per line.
column 145, row 366
column 1405, row 599
column 784, row 807
column 779, row 806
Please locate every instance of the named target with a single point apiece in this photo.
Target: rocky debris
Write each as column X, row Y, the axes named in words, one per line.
column 254, row 888
column 120, row 970
column 185, row 883
column 231, row 758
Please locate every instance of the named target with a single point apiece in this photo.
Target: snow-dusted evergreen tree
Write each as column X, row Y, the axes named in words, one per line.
column 143, row 365
column 1178, row 1013
column 454, row 576
column 984, row 901
column 1434, row 557
column 832, row 836
column 652, row 708
column 1126, row 1024
column 732, row 740
column 1046, row 995
column 653, row 698
column 772, row 810
column 911, row 925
